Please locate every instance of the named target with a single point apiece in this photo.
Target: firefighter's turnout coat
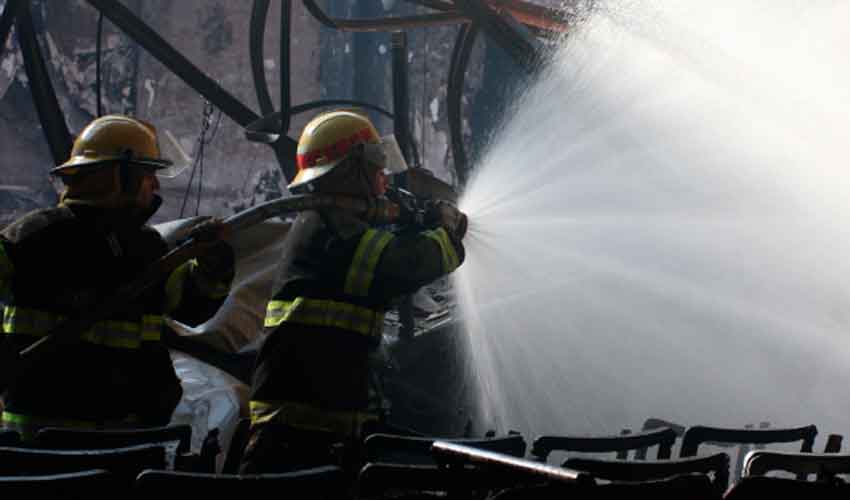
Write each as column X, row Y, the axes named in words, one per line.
column 338, row 277
column 57, row 262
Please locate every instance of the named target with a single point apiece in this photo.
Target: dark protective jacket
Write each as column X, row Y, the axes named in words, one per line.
column 58, row 261
column 326, row 317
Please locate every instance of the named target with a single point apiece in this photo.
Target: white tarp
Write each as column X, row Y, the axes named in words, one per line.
column 212, row 398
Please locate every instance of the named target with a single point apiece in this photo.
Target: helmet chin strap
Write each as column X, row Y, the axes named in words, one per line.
column 359, row 157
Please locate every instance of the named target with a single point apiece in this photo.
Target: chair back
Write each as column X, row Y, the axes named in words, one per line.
column 825, row 465
column 62, row 438
column 699, row 434
column 124, row 463
column 664, row 438
column 319, row 482
column 716, row 465
column 88, row 484
column 686, row 486
column 10, row 437
column 761, row 487
column 391, row 448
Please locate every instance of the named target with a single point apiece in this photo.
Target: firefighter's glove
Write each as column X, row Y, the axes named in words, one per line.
column 445, row 214
column 209, row 231
column 216, row 263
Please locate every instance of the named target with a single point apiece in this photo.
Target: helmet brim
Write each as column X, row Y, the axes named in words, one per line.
column 308, row 175
column 76, row 163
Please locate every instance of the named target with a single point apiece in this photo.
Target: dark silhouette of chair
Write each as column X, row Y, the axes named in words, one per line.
column 824, row 465
column 700, row 434
column 319, row 482
column 685, row 486
column 761, row 487
column 405, row 464
column 395, row 449
column 89, row 484
column 59, row 438
column 664, row 438
column 833, row 443
column 10, row 437
column 123, row 463
column 716, row 465
column 376, row 479
column 176, row 438
column 697, row 435
column 461, row 471
column 654, row 423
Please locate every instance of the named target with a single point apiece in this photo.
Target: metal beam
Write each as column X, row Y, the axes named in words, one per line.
column 44, row 97
column 401, row 99
column 139, row 31
column 284, row 63
column 9, row 13
column 523, row 52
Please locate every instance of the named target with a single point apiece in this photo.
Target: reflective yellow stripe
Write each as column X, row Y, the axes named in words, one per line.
column 317, row 312
column 6, row 272
column 174, row 285
column 126, row 334
column 308, row 416
column 19, row 419
column 450, row 258
column 366, row 257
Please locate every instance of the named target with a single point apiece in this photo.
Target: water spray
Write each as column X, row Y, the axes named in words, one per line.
column 658, row 229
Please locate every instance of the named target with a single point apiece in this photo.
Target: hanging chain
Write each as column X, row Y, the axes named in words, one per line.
column 198, row 161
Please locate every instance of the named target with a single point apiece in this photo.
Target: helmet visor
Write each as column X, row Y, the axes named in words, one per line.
column 386, row 154
column 180, row 161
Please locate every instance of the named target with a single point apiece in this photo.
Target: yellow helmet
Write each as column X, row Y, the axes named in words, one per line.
column 113, row 138
column 327, row 140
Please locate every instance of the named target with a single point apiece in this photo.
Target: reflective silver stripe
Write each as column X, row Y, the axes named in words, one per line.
column 450, row 258
column 366, row 257
column 330, row 313
column 126, row 334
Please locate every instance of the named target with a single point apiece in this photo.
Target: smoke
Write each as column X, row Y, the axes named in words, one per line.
column 660, row 227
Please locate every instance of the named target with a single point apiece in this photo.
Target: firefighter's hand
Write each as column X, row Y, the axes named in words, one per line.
column 446, row 215
column 216, row 262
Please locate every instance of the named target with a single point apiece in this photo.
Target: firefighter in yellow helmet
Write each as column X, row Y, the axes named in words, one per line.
column 311, row 386
column 62, row 261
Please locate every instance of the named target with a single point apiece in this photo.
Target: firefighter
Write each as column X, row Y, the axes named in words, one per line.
column 310, row 389
column 62, row 261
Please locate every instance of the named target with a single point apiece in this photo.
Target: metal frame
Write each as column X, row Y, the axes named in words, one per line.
column 271, row 126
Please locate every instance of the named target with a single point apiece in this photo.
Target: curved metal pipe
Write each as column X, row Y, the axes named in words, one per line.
column 537, row 17
column 257, row 30
column 454, row 96
column 266, row 129
column 285, row 97
column 492, row 23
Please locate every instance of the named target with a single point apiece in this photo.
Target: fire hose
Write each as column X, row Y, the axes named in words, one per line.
column 377, row 211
